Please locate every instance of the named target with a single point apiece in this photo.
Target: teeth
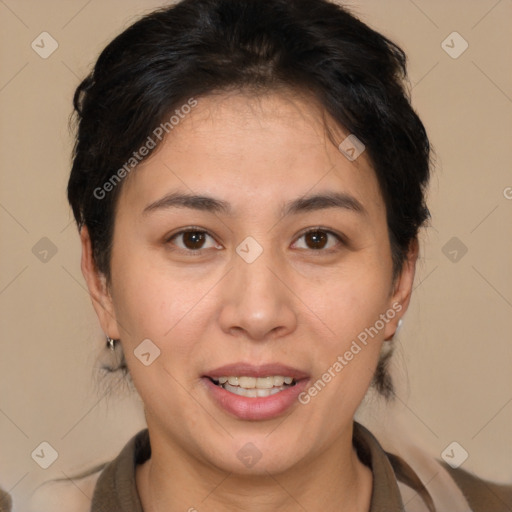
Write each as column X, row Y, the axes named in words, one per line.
column 252, row 393
column 251, row 383
column 247, row 382
column 265, row 382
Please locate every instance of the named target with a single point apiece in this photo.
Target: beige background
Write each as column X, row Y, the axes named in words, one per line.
column 454, row 362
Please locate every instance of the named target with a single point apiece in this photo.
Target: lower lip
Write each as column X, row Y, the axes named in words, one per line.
column 258, row 408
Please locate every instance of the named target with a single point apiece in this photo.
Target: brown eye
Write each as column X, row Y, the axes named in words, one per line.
column 318, row 239
column 191, row 240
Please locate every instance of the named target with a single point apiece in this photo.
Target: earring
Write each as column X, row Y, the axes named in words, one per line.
column 111, row 343
column 398, row 327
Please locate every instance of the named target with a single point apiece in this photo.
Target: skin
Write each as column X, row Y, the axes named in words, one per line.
column 294, row 304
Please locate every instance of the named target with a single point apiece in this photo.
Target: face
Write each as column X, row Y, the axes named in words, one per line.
column 283, row 269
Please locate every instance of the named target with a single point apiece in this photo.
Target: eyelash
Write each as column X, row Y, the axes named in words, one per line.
column 194, row 252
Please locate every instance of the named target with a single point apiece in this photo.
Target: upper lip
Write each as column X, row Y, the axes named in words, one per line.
column 250, row 370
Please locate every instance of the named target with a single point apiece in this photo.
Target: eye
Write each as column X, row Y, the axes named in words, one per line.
column 317, row 239
column 191, row 240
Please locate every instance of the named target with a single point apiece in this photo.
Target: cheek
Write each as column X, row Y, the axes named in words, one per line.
column 345, row 361
column 351, row 297
column 153, row 302
column 348, row 307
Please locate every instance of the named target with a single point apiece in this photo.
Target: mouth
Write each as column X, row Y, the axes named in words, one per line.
column 251, row 392
column 254, row 387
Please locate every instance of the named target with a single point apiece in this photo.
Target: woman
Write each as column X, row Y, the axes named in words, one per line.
column 249, row 181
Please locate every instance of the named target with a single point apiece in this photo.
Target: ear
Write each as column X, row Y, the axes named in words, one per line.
column 98, row 288
column 402, row 289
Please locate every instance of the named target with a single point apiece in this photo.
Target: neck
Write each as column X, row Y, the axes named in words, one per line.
column 335, row 480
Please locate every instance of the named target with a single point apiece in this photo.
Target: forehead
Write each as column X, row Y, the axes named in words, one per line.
column 262, row 147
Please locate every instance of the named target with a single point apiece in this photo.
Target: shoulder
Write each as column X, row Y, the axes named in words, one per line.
column 81, row 492
column 70, row 495
column 482, row 495
column 450, row 489
column 5, row 501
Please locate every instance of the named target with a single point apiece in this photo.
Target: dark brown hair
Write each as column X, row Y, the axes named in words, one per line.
column 197, row 47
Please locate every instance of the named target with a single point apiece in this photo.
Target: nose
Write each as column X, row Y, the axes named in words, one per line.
column 258, row 299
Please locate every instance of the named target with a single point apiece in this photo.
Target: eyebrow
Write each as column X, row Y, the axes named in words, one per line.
column 303, row 204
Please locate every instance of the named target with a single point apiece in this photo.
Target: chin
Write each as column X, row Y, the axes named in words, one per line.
column 255, row 456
